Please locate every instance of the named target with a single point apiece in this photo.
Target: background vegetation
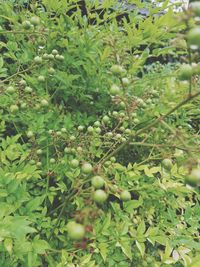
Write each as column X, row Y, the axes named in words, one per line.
column 99, row 129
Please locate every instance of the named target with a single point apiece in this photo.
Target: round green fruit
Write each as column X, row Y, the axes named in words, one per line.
column 100, row 196
column 98, row 182
column 26, row 24
column 39, row 152
column 51, row 70
column 115, row 90
column 113, row 159
column 54, row 52
column 41, row 78
column 44, row 103
column 90, row 129
column 193, row 36
column 167, row 164
column 35, row 20
column 80, row 128
column 97, row 124
column 23, row 105
column 125, row 82
column 118, row 70
column 14, row 108
column 39, row 164
column 74, row 163
column 185, row 72
column 106, row 119
column 87, row 168
column 75, row 230
column 98, row 130
column 194, row 178
column 52, row 160
column 125, row 195
column 63, row 130
column 28, row 89
column 67, row 150
column 59, row 57
column 10, row 89
column 30, row 134
column 195, row 7
column 38, row 59
column 22, row 82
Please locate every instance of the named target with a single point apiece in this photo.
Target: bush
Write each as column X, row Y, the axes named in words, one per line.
column 99, row 153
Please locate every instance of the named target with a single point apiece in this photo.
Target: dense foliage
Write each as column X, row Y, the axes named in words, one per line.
column 99, row 129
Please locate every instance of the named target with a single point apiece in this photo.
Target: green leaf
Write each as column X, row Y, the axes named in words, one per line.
column 126, row 248
column 141, row 247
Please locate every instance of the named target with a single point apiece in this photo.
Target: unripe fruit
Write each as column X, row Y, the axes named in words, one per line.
column 59, row 57
column 74, row 163
column 23, row 105
column 125, row 81
column 39, row 152
column 50, row 56
column 122, row 104
column 106, row 119
column 67, row 150
column 115, row 113
column 112, row 159
column 97, row 124
column 54, row 52
column 194, row 178
column 79, row 149
column 28, row 89
column 109, row 134
column 80, row 128
column 75, row 230
column 136, row 121
column 35, row 20
column 26, row 24
column 41, row 78
column 98, row 130
column 22, row 82
column 72, row 138
column 90, row 129
column 32, row 162
column 14, row 108
column 195, row 7
column 30, row 134
column 128, row 131
column 45, row 56
column 44, row 103
column 100, row 196
column 51, row 70
column 125, row 195
column 39, row 164
column 167, row 164
column 59, row 133
column 115, row 90
column 87, row 168
column 52, row 160
column 118, row 70
column 118, row 136
column 38, row 59
column 50, row 131
column 193, row 36
column 10, row 89
column 185, row 72
column 63, row 130
column 98, row 182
